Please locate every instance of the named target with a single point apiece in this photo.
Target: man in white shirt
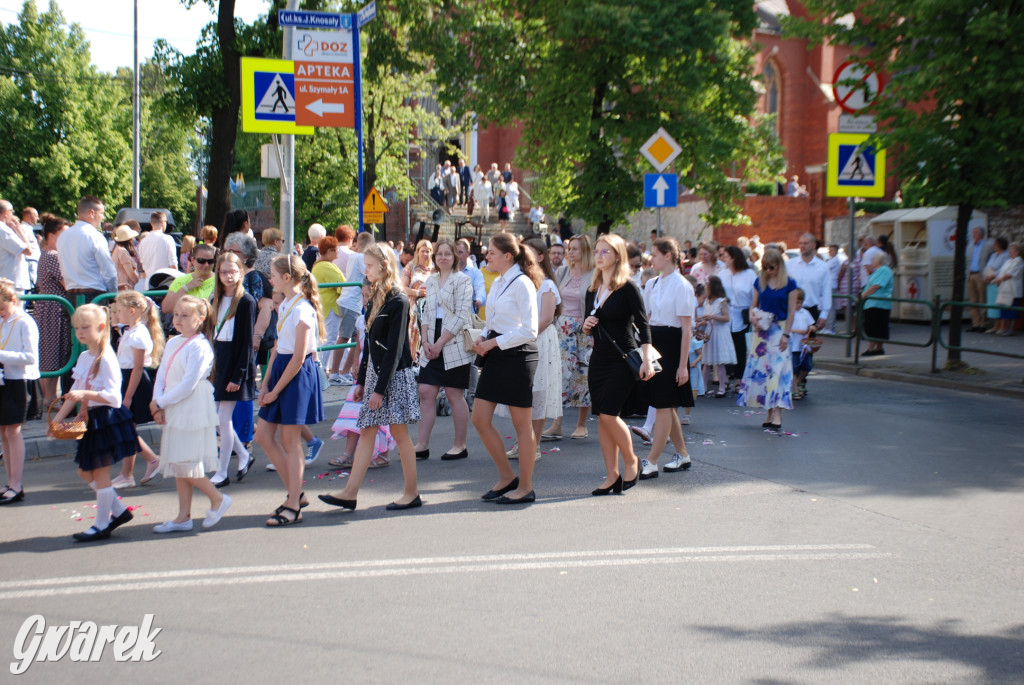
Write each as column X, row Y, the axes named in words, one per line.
column 14, row 248
column 814, row 277
column 351, row 304
column 84, row 253
column 157, row 249
column 462, row 250
column 835, row 267
column 29, row 218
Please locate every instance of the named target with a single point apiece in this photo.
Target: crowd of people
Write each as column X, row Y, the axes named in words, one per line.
column 522, row 329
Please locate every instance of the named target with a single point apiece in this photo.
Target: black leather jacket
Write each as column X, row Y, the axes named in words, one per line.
column 387, row 343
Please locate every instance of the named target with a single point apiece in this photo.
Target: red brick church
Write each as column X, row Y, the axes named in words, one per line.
column 796, row 85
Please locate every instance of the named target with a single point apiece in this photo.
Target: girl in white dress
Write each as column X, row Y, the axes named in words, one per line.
column 183, row 404
column 718, row 350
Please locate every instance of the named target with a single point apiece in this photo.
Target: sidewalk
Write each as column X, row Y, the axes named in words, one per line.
column 986, row 373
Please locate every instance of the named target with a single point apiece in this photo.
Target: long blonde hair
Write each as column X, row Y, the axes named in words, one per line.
column 150, row 318
column 621, row 274
column 774, row 257
column 201, row 307
column 219, row 291
column 586, row 252
column 295, row 268
column 388, row 282
column 98, row 315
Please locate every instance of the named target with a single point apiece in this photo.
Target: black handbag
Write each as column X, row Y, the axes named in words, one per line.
column 633, row 358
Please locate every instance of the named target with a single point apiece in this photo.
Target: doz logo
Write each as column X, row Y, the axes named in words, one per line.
column 313, row 47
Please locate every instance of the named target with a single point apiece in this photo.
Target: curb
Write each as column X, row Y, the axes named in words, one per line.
column 918, row 379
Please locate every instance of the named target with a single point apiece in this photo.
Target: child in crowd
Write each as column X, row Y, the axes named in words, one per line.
column 718, row 348
column 138, row 349
column 183, row 404
column 696, row 369
column 803, row 358
column 110, row 435
column 345, row 425
column 19, row 364
column 188, row 243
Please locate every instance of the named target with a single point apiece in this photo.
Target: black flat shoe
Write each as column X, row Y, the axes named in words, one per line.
column 119, row 520
column 495, row 494
column 615, row 487
column 448, row 456
column 529, row 497
column 244, row 471
column 337, row 502
column 395, row 506
column 222, row 484
column 767, row 424
column 423, row 454
column 92, row 534
column 775, row 427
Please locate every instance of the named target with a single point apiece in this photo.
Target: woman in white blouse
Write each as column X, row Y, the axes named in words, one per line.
column 1010, row 280
column 738, row 279
column 507, row 350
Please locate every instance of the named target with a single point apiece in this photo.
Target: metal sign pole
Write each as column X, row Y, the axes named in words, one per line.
column 659, row 222
column 359, row 114
column 849, row 277
column 287, row 210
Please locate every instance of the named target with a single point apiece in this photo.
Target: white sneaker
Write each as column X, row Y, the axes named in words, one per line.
column 271, row 467
column 347, row 379
column 678, row 462
column 172, row 527
column 335, row 379
column 122, row 482
column 212, row 517
column 513, row 453
column 685, row 421
column 648, row 470
column 537, row 458
column 313, row 450
column 642, row 433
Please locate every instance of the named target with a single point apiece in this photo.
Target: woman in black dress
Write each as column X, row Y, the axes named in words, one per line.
column 614, row 306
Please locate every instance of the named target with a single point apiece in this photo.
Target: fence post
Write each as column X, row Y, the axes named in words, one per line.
column 936, row 332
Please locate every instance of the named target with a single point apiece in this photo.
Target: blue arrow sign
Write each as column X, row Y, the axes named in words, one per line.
column 661, row 190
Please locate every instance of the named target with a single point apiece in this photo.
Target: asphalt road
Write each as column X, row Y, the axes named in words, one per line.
column 880, row 542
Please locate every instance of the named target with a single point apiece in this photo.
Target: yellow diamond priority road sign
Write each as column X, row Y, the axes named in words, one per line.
column 660, row 149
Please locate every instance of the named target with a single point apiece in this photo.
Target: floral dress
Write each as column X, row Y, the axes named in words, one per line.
column 576, row 347
column 768, row 376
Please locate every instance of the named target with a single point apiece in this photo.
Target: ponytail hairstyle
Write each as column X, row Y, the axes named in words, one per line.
column 541, row 249
column 150, row 317
column 98, row 315
column 201, row 307
column 509, row 244
column 7, row 291
column 293, row 267
column 388, row 282
column 220, row 291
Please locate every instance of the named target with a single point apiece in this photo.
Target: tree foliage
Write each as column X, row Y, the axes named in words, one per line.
column 954, row 105
column 62, row 134
column 592, row 80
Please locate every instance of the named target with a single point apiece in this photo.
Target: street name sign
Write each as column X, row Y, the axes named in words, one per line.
column 313, row 20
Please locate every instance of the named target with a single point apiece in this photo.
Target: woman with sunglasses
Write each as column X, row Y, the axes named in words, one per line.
column 768, row 375
column 199, row 283
column 615, row 307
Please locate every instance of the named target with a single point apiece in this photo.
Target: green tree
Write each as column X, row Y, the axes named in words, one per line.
column 953, row 109
column 62, row 134
column 592, row 80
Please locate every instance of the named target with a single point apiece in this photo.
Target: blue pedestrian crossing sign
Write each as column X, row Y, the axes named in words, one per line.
column 268, row 97
column 661, row 190
column 854, row 168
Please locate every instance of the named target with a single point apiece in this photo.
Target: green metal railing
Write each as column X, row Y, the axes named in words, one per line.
column 939, row 307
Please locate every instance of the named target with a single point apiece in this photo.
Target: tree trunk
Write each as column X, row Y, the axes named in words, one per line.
column 956, row 316
column 225, row 120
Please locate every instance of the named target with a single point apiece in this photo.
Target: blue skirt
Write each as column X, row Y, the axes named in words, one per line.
column 301, row 402
column 242, row 421
column 110, row 437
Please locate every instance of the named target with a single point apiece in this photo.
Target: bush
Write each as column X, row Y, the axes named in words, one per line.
column 761, row 188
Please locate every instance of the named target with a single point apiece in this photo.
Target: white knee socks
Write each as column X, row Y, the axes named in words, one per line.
column 229, row 440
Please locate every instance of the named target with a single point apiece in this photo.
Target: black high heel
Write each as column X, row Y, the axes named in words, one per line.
column 615, row 487
column 627, row 484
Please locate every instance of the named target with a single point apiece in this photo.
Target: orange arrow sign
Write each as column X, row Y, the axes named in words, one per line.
column 374, row 202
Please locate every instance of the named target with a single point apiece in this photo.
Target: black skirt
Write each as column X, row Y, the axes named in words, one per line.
column 662, row 392
column 611, row 384
column 13, row 401
column 109, row 438
column 142, row 397
column 223, row 352
column 435, row 374
column 506, row 376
